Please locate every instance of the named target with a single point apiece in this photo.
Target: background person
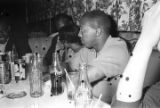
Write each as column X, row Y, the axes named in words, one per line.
column 6, row 40
column 72, row 43
column 60, row 21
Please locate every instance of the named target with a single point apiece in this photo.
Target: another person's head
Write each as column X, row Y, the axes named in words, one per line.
column 96, row 26
column 62, row 20
column 4, row 30
column 69, row 34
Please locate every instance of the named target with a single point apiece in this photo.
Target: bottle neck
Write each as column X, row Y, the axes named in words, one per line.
column 84, row 89
column 83, row 74
column 54, row 57
column 36, row 59
column 14, row 53
column 56, row 63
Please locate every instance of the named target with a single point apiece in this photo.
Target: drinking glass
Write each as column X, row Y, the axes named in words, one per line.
column 72, row 83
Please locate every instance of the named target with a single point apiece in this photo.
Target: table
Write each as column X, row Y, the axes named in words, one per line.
column 45, row 101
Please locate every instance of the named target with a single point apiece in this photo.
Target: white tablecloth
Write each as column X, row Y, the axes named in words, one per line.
column 45, row 101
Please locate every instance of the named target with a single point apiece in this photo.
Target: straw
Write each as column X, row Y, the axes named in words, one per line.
column 91, row 104
column 69, row 78
column 100, row 96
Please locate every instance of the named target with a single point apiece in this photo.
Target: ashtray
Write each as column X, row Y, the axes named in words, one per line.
column 16, row 95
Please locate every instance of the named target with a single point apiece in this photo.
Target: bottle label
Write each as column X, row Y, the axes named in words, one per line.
column 82, row 99
column 83, row 93
column 56, row 82
column 58, row 72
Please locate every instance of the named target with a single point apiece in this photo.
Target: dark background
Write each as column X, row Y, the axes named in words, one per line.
column 15, row 11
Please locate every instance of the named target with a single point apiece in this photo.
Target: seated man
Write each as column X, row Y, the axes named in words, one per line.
column 130, row 88
column 105, row 53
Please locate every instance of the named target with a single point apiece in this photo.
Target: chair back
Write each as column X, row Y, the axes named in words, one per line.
column 40, row 44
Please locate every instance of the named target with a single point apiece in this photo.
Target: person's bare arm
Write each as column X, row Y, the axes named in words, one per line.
column 130, row 86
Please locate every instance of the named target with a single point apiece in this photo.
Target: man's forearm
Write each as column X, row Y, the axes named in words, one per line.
column 94, row 74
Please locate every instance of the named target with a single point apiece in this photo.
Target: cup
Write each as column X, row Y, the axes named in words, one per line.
column 72, row 83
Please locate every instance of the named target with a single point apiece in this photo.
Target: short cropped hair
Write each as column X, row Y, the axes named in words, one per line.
column 69, row 34
column 98, row 18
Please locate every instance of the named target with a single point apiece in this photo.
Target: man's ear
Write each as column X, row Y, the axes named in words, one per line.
column 98, row 32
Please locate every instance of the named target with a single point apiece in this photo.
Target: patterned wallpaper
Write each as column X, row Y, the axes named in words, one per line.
column 127, row 13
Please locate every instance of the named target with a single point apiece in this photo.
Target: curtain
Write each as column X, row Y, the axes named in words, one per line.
column 127, row 13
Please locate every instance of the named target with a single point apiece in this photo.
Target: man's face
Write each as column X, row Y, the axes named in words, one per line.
column 3, row 33
column 59, row 25
column 87, row 34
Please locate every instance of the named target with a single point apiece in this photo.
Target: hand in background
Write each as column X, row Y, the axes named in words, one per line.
column 53, row 34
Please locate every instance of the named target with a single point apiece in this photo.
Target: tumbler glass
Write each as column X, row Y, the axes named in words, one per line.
column 72, row 83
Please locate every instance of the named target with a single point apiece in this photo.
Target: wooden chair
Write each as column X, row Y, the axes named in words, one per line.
column 40, row 45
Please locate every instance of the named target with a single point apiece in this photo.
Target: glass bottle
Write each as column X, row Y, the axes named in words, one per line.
column 5, row 75
column 35, row 77
column 14, row 54
column 83, row 95
column 13, row 58
column 56, row 74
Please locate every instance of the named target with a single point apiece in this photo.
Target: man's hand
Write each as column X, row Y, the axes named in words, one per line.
column 53, row 35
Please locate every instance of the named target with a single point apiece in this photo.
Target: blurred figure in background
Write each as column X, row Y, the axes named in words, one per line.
column 9, row 41
column 6, row 40
column 60, row 21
